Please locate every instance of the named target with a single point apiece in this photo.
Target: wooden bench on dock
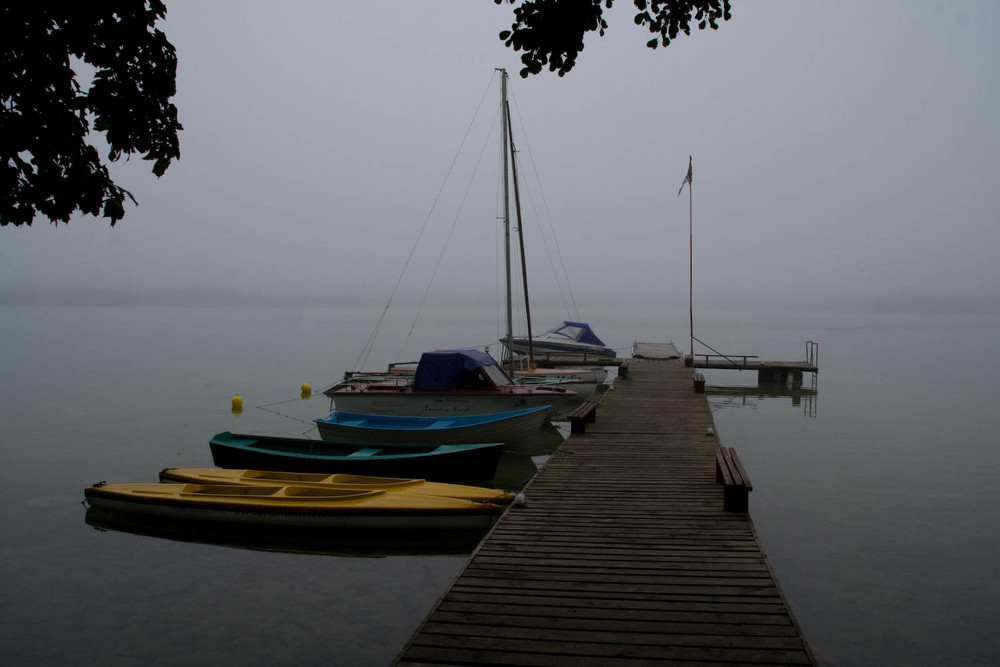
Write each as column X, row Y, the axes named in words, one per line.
column 729, row 471
column 699, row 382
column 586, row 413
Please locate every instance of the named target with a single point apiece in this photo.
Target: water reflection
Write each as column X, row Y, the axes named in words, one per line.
column 747, row 396
column 353, row 543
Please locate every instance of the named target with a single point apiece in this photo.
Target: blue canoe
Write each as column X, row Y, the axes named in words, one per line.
column 439, row 463
column 511, row 428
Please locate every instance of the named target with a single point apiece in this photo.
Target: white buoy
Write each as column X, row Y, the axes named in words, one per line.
column 710, row 432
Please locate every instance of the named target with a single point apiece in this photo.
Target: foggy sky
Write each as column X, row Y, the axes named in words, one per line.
column 840, row 150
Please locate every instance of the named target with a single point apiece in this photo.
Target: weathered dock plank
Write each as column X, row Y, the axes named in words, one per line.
column 623, row 553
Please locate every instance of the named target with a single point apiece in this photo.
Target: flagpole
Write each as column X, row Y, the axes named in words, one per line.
column 691, row 260
column 691, row 268
column 689, row 180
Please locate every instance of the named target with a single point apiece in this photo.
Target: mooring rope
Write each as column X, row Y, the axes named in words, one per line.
column 267, row 408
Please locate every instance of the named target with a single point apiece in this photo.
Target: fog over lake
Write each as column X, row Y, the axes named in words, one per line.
column 840, row 150
column 845, row 191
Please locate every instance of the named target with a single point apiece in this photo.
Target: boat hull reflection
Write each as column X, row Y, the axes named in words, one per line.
column 349, row 542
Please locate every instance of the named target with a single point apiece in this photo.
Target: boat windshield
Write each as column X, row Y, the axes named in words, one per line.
column 496, row 375
column 573, row 333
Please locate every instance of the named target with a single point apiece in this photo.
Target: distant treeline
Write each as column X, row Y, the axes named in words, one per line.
column 592, row 306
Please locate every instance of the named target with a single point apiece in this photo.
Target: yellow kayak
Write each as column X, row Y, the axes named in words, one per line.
column 417, row 487
column 288, row 505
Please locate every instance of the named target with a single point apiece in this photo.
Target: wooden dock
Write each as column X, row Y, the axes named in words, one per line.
column 623, row 553
column 745, row 364
column 788, row 373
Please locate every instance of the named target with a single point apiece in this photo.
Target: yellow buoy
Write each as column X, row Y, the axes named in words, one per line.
column 237, row 404
column 306, row 390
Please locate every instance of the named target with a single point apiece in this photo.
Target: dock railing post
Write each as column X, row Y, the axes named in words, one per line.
column 812, row 353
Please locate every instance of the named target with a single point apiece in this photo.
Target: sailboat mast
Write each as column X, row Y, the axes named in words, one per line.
column 520, row 239
column 506, row 217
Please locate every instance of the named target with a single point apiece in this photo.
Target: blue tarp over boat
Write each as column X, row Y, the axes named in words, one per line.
column 442, row 370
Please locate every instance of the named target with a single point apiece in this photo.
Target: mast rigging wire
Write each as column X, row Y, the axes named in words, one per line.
column 548, row 218
column 369, row 345
column 451, row 232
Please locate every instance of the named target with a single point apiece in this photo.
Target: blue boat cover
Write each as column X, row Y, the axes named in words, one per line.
column 449, row 369
column 584, row 333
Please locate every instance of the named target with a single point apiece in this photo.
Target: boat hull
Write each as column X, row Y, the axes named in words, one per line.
column 512, row 429
column 418, row 404
column 567, row 349
column 355, row 542
column 445, row 463
column 444, row 513
column 583, row 375
column 582, row 390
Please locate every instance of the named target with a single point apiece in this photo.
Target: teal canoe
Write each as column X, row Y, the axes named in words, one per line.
column 439, row 463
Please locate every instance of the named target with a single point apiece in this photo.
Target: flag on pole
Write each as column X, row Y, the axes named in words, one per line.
column 687, row 179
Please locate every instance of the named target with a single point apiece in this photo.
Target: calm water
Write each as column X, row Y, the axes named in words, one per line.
column 876, row 499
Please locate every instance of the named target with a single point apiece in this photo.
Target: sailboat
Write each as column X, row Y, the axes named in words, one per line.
column 468, row 382
column 582, row 381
